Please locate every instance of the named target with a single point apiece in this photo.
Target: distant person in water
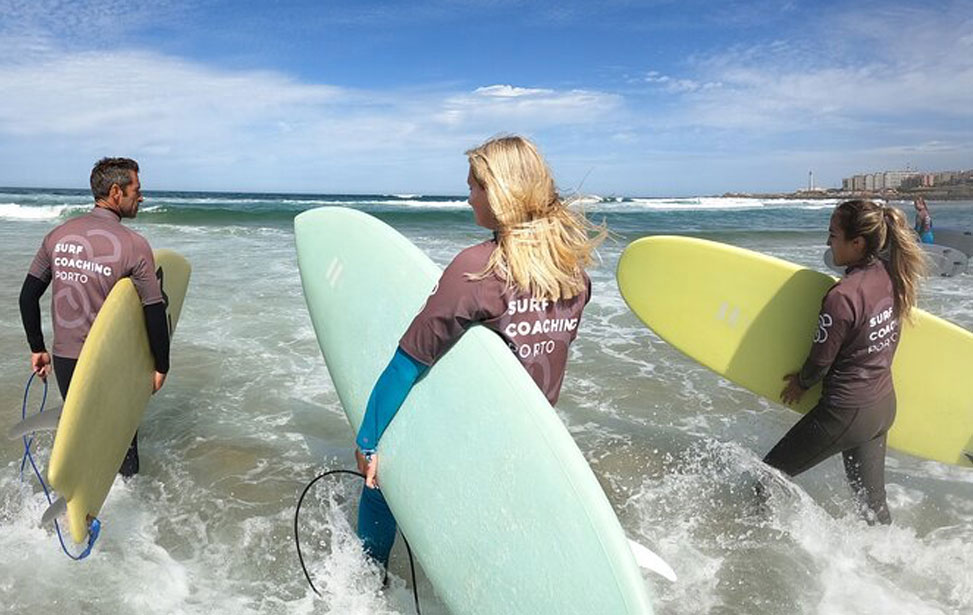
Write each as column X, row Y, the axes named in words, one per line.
column 531, row 271
column 83, row 259
column 854, row 344
column 923, row 221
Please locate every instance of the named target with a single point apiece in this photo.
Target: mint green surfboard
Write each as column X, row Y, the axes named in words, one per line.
column 499, row 505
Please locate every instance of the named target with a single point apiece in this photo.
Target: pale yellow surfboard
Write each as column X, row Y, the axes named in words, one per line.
column 751, row 318
column 110, row 388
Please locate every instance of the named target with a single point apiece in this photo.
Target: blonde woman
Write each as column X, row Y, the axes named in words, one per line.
column 857, row 335
column 527, row 283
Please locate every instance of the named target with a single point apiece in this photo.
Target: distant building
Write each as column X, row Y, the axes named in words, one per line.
column 894, row 179
column 913, row 181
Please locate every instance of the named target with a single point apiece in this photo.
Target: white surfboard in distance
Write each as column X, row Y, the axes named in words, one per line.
column 943, row 262
column 959, row 239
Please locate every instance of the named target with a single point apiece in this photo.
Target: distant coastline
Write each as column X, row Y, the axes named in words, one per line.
column 956, row 192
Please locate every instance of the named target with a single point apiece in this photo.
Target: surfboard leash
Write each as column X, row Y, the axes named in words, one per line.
column 94, row 528
column 297, row 540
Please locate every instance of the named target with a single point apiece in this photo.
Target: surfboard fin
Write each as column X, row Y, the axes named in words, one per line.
column 55, row 510
column 650, row 561
column 42, row 421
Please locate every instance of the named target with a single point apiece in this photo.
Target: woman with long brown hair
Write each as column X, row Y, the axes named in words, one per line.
column 857, row 335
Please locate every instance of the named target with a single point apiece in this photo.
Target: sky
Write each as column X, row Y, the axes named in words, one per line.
column 634, row 98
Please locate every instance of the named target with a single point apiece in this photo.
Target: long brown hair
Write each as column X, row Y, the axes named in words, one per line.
column 542, row 245
column 887, row 236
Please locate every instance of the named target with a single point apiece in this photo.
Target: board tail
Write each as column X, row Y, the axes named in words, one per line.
column 42, row 421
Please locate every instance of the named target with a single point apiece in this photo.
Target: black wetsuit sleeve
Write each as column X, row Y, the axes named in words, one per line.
column 30, row 311
column 811, row 374
column 157, row 326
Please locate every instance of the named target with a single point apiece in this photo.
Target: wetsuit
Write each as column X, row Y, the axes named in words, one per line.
column 857, row 335
column 83, row 259
column 538, row 332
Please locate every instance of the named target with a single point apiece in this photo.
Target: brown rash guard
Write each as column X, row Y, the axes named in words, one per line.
column 84, row 258
column 857, row 334
column 538, row 332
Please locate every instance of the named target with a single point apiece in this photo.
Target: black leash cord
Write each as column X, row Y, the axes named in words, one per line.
column 297, row 540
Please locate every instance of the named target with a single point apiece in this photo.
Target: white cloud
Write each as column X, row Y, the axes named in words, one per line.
column 869, row 67
column 255, row 128
column 141, row 97
column 509, row 91
column 674, row 85
column 136, row 96
column 87, row 22
column 527, row 107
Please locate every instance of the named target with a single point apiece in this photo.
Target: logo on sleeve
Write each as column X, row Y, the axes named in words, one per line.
column 824, row 323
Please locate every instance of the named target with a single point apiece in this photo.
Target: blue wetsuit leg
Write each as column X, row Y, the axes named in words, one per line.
column 376, row 525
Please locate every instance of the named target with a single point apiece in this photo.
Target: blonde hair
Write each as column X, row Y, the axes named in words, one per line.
column 887, row 236
column 542, row 245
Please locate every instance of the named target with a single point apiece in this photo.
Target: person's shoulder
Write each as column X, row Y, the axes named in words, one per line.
column 68, row 227
column 70, row 223
column 139, row 248
column 852, row 287
column 474, row 258
column 844, row 289
column 138, row 241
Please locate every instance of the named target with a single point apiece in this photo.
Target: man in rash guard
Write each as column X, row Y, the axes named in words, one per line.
column 83, row 259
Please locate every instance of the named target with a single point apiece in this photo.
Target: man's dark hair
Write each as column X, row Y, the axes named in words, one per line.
column 108, row 171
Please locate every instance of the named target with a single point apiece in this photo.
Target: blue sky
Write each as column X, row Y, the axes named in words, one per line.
column 652, row 98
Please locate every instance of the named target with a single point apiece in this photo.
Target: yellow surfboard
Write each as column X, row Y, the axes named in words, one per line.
column 751, row 318
column 110, row 388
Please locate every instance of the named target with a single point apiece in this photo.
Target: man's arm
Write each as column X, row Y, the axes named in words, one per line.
column 30, row 311
column 149, row 288
column 30, row 314
column 157, row 326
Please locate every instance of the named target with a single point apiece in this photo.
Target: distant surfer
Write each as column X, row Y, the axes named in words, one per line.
column 854, row 344
column 923, row 221
column 527, row 284
column 83, row 259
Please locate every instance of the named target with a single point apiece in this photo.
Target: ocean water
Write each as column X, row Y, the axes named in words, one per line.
column 249, row 416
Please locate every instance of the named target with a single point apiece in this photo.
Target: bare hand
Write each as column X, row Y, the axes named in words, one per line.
column 158, row 379
column 368, row 467
column 793, row 392
column 40, row 362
